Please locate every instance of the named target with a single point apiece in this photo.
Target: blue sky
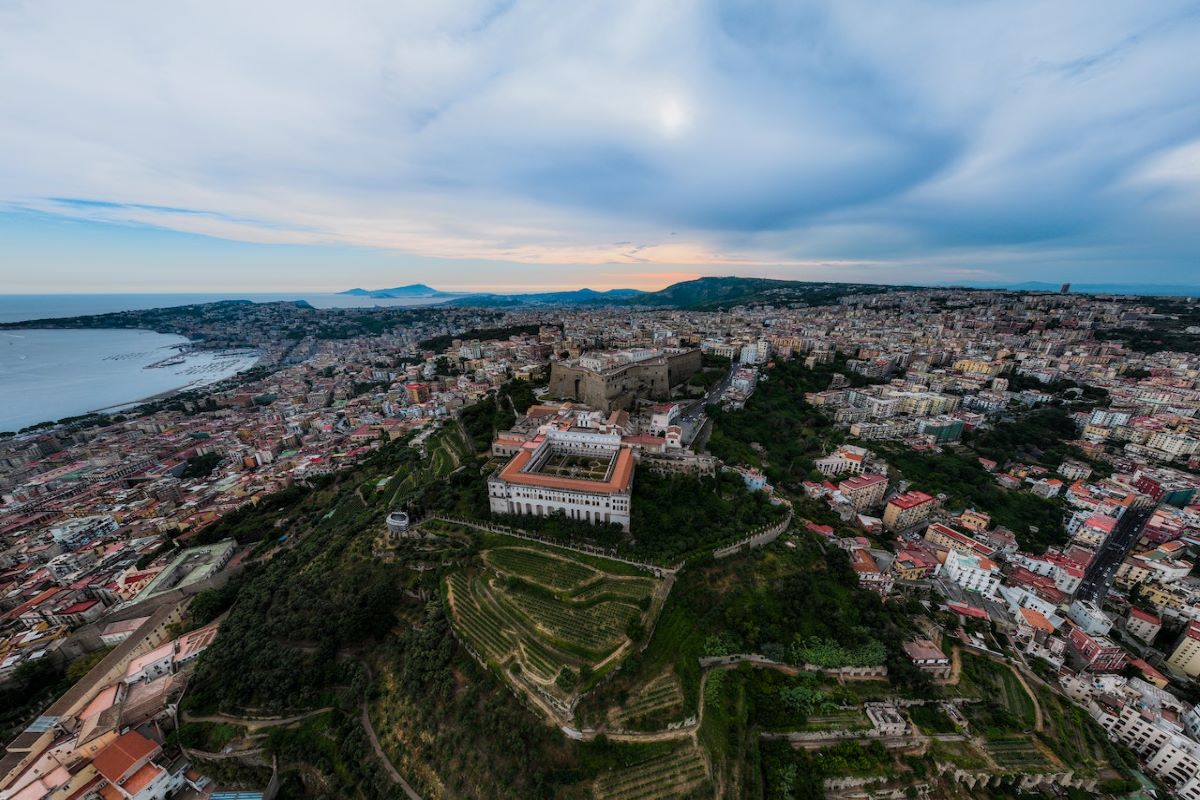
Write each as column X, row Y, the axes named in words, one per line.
column 215, row 146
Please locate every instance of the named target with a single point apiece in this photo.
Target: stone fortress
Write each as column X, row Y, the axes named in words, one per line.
column 612, row 381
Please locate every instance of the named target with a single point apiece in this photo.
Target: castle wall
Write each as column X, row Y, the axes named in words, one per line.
column 619, row 388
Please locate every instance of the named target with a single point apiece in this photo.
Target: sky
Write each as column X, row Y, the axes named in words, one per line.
column 476, row 145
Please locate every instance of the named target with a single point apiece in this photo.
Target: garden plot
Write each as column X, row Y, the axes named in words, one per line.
column 675, row 775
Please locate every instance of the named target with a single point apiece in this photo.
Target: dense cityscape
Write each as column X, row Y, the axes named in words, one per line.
column 623, row 400
column 933, row 540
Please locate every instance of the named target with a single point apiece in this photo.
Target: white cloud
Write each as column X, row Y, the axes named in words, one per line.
column 541, row 132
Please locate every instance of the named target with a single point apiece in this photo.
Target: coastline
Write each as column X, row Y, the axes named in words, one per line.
column 163, row 395
column 80, row 374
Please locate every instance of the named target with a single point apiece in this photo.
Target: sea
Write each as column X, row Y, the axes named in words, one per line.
column 21, row 307
column 47, row 374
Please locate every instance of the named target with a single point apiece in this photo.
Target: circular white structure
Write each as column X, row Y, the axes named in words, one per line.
column 397, row 523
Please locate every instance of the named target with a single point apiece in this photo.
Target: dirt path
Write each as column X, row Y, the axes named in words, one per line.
column 392, row 772
column 1039, row 722
column 252, row 724
column 582, row 551
column 388, row 766
column 955, row 667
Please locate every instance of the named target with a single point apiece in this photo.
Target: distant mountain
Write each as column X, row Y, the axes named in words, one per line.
column 401, row 292
column 716, row 293
column 579, row 297
column 701, row 293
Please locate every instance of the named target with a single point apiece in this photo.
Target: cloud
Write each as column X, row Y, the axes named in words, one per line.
column 922, row 137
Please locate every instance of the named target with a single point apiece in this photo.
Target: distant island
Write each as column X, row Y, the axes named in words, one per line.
column 410, row 291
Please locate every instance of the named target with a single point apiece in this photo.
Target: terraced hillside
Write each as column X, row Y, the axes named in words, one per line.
column 655, row 703
column 546, row 619
column 675, row 775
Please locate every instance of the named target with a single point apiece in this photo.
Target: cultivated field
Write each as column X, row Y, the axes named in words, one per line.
column 1017, row 753
column 674, row 775
column 659, row 700
column 534, row 613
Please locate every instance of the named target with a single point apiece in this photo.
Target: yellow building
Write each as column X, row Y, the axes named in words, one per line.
column 978, row 366
column 907, row 509
column 974, row 520
column 1158, row 595
column 1186, row 657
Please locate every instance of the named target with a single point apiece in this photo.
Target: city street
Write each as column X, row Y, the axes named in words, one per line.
column 693, row 418
column 1098, row 577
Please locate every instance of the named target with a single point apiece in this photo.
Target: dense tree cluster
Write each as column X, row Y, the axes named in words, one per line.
column 800, row 774
column 1161, row 333
column 763, row 602
column 482, row 420
column 200, row 466
column 777, row 430
column 1039, row 437
column 284, row 643
column 31, row 686
column 676, row 516
column 960, row 477
column 439, row 343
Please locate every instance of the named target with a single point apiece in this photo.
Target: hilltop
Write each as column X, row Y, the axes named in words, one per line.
column 700, row 294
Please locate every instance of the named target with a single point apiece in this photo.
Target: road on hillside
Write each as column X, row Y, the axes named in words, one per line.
column 1098, row 577
column 692, row 420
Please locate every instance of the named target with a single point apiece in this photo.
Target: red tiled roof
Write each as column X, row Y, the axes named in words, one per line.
column 114, row 761
column 910, row 499
column 862, row 481
column 1144, row 616
column 967, row 610
column 81, row 606
column 142, row 778
column 619, row 481
column 861, row 561
column 1149, row 671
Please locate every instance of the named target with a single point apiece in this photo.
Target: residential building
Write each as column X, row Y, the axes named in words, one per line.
column 75, row 533
column 905, row 510
column 1143, row 624
column 944, row 537
column 972, row 572
column 127, row 766
column 943, row 429
column 915, row 563
column 870, row 577
column 1090, row 617
column 864, row 491
column 1097, row 653
column 846, row 458
column 928, row 657
column 1186, row 655
column 974, row 520
column 1163, row 746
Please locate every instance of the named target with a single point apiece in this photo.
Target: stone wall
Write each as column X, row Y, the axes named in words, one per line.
column 755, row 539
column 618, row 388
column 852, row 673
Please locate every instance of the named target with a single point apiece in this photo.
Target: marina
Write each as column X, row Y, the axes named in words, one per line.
column 47, row 375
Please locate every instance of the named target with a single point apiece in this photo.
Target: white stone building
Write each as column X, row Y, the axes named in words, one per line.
column 585, row 476
column 972, row 572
